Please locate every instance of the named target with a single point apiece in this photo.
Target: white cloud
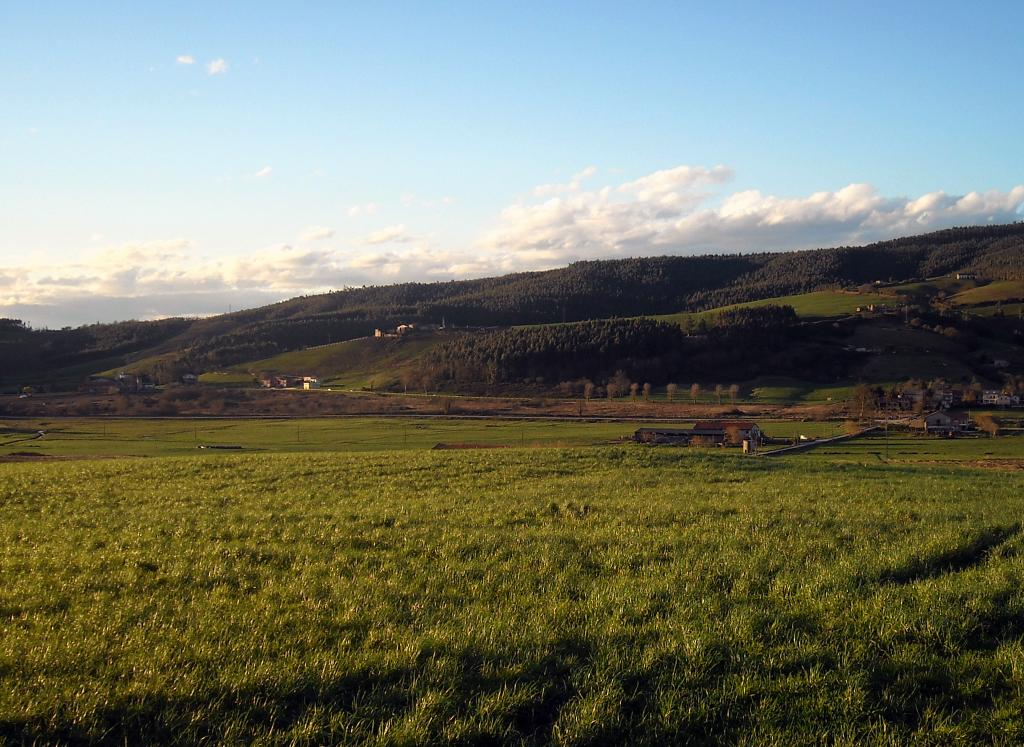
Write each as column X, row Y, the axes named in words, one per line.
column 185, row 59
column 389, row 235
column 316, row 233
column 670, row 211
column 660, row 213
column 355, row 211
column 264, row 172
column 667, row 181
column 573, row 185
column 217, row 67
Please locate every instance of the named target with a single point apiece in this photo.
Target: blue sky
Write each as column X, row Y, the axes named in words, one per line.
column 183, row 157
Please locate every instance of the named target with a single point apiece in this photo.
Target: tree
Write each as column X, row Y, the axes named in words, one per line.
column 734, row 391
column 719, row 391
column 588, row 389
column 633, row 389
column 694, row 392
column 621, row 382
column 987, row 424
column 647, row 392
column 863, row 397
column 670, row 391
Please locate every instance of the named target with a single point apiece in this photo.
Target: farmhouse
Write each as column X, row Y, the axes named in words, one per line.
column 273, row 381
column 310, row 382
column 966, row 276
column 945, row 424
column 400, row 331
column 726, row 432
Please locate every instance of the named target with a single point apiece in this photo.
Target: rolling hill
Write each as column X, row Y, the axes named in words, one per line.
column 668, row 287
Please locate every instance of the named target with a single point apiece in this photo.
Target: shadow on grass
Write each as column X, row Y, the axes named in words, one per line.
column 372, row 696
column 967, row 555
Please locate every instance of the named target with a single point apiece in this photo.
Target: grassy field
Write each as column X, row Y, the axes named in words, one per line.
column 1001, row 290
column 816, row 305
column 227, row 379
column 353, row 364
column 156, row 437
column 906, row 447
column 517, row 596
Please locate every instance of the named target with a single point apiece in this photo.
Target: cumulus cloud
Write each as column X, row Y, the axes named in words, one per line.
column 682, row 210
column 185, row 59
column 389, row 235
column 316, row 233
column 160, row 278
column 264, row 172
column 673, row 211
column 573, row 185
column 218, row 66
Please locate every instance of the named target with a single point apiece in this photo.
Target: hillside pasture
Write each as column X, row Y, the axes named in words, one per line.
column 823, row 304
column 997, row 291
column 575, row 597
column 366, row 363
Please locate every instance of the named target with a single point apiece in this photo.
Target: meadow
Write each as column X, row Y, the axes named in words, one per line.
column 147, row 437
column 518, row 596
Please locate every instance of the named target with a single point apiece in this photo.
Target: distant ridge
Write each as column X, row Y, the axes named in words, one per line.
column 583, row 290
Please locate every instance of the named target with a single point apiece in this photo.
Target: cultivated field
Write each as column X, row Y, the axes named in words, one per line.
column 184, row 436
column 574, row 596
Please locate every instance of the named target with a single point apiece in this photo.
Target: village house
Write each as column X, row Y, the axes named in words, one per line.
column 705, row 433
column 189, row 379
column 945, row 424
column 966, row 276
column 726, row 433
column 275, row 381
column 996, row 398
column 310, row 382
column 400, row 331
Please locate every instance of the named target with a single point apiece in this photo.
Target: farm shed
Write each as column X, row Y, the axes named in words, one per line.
column 671, row 436
column 726, row 432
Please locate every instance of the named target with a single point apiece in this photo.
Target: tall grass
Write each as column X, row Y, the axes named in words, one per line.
column 509, row 596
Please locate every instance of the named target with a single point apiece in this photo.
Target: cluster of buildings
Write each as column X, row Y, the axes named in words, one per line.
column 123, row 383
column 284, row 381
column 945, row 399
column 743, row 433
column 400, row 331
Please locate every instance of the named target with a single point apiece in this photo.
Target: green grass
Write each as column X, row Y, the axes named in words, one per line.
column 816, row 305
column 908, row 447
column 1000, row 290
column 783, row 389
column 353, row 364
column 107, row 437
column 930, row 287
column 572, row 597
column 227, row 379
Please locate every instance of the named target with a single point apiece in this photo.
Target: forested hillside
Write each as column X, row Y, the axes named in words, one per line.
column 582, row 291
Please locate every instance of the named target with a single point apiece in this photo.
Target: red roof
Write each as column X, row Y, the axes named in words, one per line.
column 721, row 425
